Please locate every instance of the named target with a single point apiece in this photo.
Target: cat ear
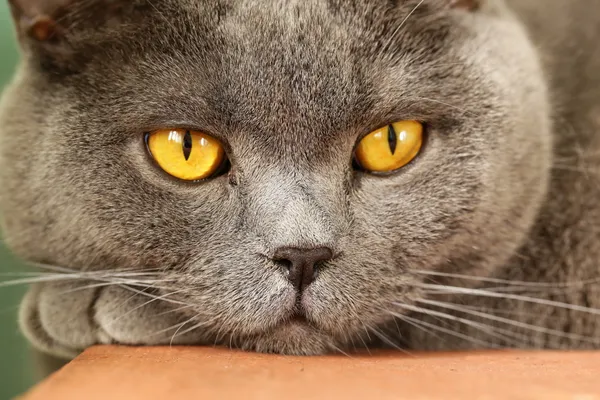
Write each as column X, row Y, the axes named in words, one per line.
column 37, row 19
column 49, row 21
column 53, row 33
column 468, row 5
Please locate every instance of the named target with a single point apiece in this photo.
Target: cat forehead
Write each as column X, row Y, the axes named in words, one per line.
column 288, row 57
column 368, row 29
column 313, row 64
column 293, row 29
column 376, row 16
column 49, row 7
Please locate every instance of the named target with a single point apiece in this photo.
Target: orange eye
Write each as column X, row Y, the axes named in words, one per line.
column 187, row 155
column 390, row 148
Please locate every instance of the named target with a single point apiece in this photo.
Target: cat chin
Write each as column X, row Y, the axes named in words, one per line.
column 293, row 337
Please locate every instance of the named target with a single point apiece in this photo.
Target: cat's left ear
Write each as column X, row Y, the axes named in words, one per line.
column 468, row 5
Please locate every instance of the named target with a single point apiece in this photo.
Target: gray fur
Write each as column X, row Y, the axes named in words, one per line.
column 505, row 188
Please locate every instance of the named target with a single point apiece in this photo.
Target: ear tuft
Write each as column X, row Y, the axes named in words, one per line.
column 468, row 5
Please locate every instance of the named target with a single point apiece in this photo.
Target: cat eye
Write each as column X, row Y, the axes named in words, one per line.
column 391, row 147
column 187, row 155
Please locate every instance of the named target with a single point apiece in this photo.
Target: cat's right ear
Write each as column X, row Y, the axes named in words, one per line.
column 37, row 20
column 54, row 31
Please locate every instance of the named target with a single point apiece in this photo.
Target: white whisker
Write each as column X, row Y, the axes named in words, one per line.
column 198, row 325
column 442, row 289
column 411, row 321
column 339, row 350
column 151, row 295
column 39, row 279
column 152, row 300
column 178, row 329
column 535, row 328
column 90, row 286
column 449, row 332
column 520, row 284
column 174, row 310
column 483, row 327
column 170, row 328
column 386, row 340
column 398, row 29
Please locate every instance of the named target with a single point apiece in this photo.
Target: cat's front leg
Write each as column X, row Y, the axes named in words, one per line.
column 62, row 319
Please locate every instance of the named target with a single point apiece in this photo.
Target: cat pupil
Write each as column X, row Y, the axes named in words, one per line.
column 187, row 145
column 392, row 139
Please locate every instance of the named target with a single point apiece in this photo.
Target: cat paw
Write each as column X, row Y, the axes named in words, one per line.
column 64, row 318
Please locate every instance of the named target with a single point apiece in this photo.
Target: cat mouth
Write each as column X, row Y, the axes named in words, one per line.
column 298, row 318
column 296, row 327
column 295, row 324
column 295, row 335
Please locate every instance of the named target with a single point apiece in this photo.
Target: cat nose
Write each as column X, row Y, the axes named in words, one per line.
column 301, row 263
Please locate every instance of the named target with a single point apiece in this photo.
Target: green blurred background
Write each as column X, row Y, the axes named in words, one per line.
column 16, row 372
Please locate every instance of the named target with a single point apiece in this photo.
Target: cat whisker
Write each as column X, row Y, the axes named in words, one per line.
column 366, row 331
column 231, row 341
column 170, row 328
column 521, row 284
column 128, row 299
column 416, row 324
column 490, row 330
column 130, row 278
column 90, row 286
column 152, row 300
column 178, row 329
column 447, row 331
column 22, row 274
column 38, row 279
column 198, row 325
column 132, row 289
column 55, row 268
column 399, row 28
column 360, row 337
column 443, row 289
column 535, row 328
column 524, row 291
column 123, row 272
column 385, row 339
column 351, row 339
column 174, row 310
column 502, row 311
column 147, row 284
column 339, row 350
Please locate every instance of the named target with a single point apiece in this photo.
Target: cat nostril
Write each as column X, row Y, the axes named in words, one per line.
column 301, row 263
column 285, row 264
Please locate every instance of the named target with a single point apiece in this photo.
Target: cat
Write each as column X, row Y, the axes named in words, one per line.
column 486, row 237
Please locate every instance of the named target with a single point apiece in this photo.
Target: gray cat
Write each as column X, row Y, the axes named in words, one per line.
column 306, row 176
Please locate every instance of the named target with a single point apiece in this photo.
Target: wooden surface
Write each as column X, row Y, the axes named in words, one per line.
column 121, row 373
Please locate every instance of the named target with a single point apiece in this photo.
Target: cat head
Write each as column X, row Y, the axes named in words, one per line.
column 288, row 89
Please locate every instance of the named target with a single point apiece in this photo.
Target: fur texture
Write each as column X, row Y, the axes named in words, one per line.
column 487, row 239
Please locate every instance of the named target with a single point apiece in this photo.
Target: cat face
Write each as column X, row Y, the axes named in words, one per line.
column 289, row 88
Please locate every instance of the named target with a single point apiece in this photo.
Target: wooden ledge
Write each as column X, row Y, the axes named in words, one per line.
column 128, row 373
